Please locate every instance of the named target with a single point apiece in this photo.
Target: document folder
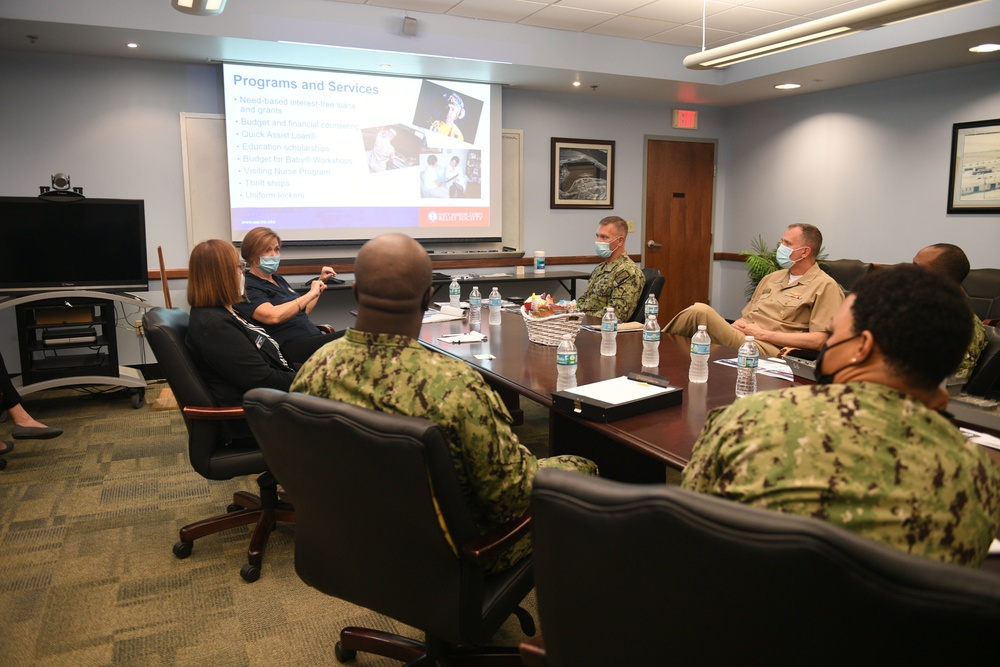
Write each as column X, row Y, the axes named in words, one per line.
column 609, row 400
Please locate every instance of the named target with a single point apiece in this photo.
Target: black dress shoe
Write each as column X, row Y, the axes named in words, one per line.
column 7, row 446
column 35, row 432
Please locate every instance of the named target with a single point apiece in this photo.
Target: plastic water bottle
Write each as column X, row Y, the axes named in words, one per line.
column 609, row 333
column 454, row 294
column 475, row 306
column 495, row 306
column 652, row 306
column 746, row 368
column 566, row 363
column 701, row 345
column 651, row 342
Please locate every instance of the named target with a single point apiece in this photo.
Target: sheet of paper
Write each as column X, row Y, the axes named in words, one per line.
column 461, row 304
column 622, row 327
column 772, row 367
column 983, row 439
column 618, row 390
column 437, row 316
column 470, row 337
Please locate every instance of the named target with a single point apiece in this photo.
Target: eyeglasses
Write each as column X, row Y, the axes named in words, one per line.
column 243, row 265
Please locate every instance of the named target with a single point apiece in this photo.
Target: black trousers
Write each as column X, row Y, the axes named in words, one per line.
column 297, row 350
column 8, row 395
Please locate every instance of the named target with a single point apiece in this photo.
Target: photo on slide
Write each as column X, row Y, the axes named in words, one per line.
column 448, row 112
column 451, row 174
column 389, row 147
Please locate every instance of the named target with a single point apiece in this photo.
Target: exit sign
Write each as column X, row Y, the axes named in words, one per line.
column 685, row 119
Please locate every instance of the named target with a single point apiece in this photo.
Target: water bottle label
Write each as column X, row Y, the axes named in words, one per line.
column 474, row 302
column 609, row 326
column 700, row 348
column 746, row 362
column 539, row 263
column 652, row 310
column 651, row 336
column 494, row 302
column 566, row 358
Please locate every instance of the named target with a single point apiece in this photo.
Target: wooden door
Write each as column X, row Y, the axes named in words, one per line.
column 680, row 180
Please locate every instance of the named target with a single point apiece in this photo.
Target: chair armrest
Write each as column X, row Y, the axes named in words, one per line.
column 485, row 547
column 325, row 328
column 196, row 412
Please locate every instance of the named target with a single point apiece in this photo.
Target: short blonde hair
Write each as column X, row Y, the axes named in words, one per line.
column 256, row 242
column 213, row 275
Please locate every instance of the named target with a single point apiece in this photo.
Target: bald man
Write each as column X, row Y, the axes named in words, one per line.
column 380, row 364
column 949, row 261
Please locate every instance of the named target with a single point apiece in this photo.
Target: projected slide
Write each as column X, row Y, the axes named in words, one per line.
column 335, row 157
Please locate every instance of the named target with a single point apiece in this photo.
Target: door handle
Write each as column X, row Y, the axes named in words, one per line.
column 653, row 244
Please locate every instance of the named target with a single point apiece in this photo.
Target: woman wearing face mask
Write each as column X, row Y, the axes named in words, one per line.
column 233, row 354
column 272, row 303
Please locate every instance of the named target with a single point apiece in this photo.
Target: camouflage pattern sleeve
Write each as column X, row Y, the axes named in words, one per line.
column 976, row 347
column 864, row 456
column 617, row 284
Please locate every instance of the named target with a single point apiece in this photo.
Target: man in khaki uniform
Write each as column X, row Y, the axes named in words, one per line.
column 791, row 307
column 380, row 364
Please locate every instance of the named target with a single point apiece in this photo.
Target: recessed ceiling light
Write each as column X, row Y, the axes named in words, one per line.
column 385, row 66
column 576, row 84
column 132, row 45
column 788, row 86
column 985, row 48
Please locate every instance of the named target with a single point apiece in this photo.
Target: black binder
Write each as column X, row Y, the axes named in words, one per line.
column 570, row 402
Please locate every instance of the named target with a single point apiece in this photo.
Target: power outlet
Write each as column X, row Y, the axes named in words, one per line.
column 140, row 331
column 631, row 225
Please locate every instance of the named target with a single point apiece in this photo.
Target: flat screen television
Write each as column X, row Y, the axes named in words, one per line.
column 94, row 244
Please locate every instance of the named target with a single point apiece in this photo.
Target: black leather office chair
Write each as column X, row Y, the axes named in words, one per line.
column 214, row 453
column 654, row 286
column 847, row 272
column 983, row 288
column 368, row 488
column 985, row 376
column 649, row 575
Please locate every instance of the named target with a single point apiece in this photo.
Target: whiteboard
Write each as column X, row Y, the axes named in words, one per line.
column 206, row 180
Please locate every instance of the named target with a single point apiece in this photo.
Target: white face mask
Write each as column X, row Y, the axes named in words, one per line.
column 784, row 256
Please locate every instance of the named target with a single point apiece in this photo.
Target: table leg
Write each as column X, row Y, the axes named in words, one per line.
column 572, row 435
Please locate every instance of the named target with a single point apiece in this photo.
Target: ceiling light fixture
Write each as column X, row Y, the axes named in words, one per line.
column 132, row 45
column 788, row 86
column 576, row 84
column 985, row 48
column 838, row 25
column 199, row 7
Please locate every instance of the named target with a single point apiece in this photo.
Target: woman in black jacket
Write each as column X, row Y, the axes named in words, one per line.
column 233, row 354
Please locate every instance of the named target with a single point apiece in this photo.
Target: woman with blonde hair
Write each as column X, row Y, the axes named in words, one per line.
column 234, row 355
column 272, row 303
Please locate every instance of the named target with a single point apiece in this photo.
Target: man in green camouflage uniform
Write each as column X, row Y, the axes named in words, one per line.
column 617, row 281
column 950, row 261
column 870, row 453
column 379, row 364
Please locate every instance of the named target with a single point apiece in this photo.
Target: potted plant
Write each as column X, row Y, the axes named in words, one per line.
column 761, row 260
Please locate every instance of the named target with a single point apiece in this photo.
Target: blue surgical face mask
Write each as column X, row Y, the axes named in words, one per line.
column 603, row 249
column 784, row 256
column 269, row 264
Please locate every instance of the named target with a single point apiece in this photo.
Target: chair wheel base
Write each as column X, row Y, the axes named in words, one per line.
column 183, row 549
column 250, row 573
column 344, row 654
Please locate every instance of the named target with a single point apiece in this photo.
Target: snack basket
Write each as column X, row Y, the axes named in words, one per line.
column 550, row 330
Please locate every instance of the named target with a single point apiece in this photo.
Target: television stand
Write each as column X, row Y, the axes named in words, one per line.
column 68, row 338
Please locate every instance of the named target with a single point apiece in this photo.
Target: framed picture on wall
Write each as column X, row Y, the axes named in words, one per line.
column 974, row 185
column 583, row 173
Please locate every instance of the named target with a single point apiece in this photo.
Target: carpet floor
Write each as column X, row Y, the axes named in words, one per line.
column 87, row 576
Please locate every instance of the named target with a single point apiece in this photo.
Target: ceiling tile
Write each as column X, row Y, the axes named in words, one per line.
column 613, row 6
column 566, row 18
column 429, row 6
column 745, row 19
column 630, row 27
column 680, row 11
column 690, row 35
column 510, row 11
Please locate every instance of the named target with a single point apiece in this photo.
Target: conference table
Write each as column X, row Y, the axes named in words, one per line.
column 634, row 449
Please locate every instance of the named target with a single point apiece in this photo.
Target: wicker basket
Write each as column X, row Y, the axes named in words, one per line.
column 550, row 330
